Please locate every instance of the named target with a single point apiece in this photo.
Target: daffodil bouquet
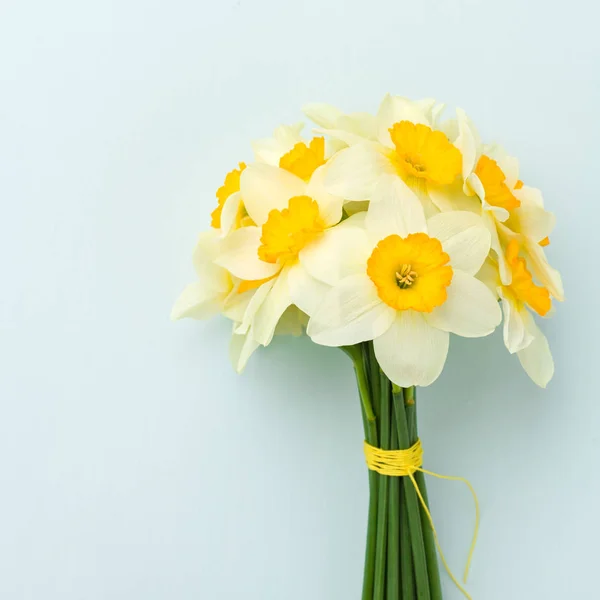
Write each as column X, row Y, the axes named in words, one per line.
column 381, row 236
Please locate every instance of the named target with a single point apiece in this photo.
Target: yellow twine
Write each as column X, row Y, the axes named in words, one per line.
column 403, row 463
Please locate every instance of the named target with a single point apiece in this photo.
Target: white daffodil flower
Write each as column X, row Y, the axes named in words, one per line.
column 286, row 149
column 217, row 291
column 290, row 210
column 214, row 289
column 404, row 282
column 510, row 209
column 408, row 146
column 520, row 299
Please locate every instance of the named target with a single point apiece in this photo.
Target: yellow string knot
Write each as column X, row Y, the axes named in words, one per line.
column 404, row 463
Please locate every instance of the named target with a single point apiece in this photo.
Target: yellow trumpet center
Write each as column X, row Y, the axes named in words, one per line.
column 492, row 177
column 303, row 160
column 287, row 231
column 522, row 286
column 411, row 272
column 230, row 186
column 423, row 153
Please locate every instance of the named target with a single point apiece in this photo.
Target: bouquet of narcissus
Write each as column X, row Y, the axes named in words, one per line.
column 381, row 236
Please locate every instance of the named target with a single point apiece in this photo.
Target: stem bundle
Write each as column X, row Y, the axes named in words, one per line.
column 401, row 560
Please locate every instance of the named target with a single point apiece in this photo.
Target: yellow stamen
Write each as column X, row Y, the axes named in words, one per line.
column 411, row 272
column 522, row 286
column 303, row 160
column 230, row 186
column 424, row 154
column 493, row 179
column 406, row 276
column 287, row 231
column 544, row 242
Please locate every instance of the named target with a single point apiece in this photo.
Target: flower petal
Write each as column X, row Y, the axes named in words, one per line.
column 239, row 255
column 322, row 114
column 350, row 313
column 341, row 251
column 353, row 172
column 464, row 237
column 241, row 348
column 549, row 277
column 536, row 359
column 330, row 206
column 394, row 209
column 229, row 212
column 197, row 301
column 411, row 352
column 270, row 311
column 207, row 249
column 307, row 292
column 265, row 187
column 516, row 336
column 470, row 309
column 467, row 142
column 258, row 297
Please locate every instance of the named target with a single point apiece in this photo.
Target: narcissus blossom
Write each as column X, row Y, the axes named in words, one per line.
column 404, row 282
column 398, row 227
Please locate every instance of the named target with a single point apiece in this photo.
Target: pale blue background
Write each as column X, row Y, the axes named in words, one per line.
column 135, row 465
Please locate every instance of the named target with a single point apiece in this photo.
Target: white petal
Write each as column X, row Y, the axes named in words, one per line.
column 505, row 272
column 536, row 359
column 265, row 187
column 207, row 249
column 411, row 352
column 270, row 311
column 322, row 114
column 197, row 301
column 239, row 255
column 453, row 197
column 470, row 309
column 363, row 125
column 464, row 237
column 307, row 292
column 341, row 251
column 241, row 348
column 256, row 300
column 516, row 336
column 529, row 195
column 229, row 212
column 489, row 275
column 394, row 209
column 353, row 173
column 549, row 277
column 531, row 220
column 350, row 313
column 330, row 206
column 236, row 305
column 467, row 142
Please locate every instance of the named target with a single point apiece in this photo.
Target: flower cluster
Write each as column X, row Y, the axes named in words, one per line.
column 399, row 228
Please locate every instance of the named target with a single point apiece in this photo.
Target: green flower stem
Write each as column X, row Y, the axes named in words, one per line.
column 435, row 584
column 370, row 428
column 393, row 550
column 384, row 481
column 406, row 561
column 412, row 506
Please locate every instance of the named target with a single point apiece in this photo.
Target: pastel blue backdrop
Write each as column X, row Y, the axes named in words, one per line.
column 135, row 465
